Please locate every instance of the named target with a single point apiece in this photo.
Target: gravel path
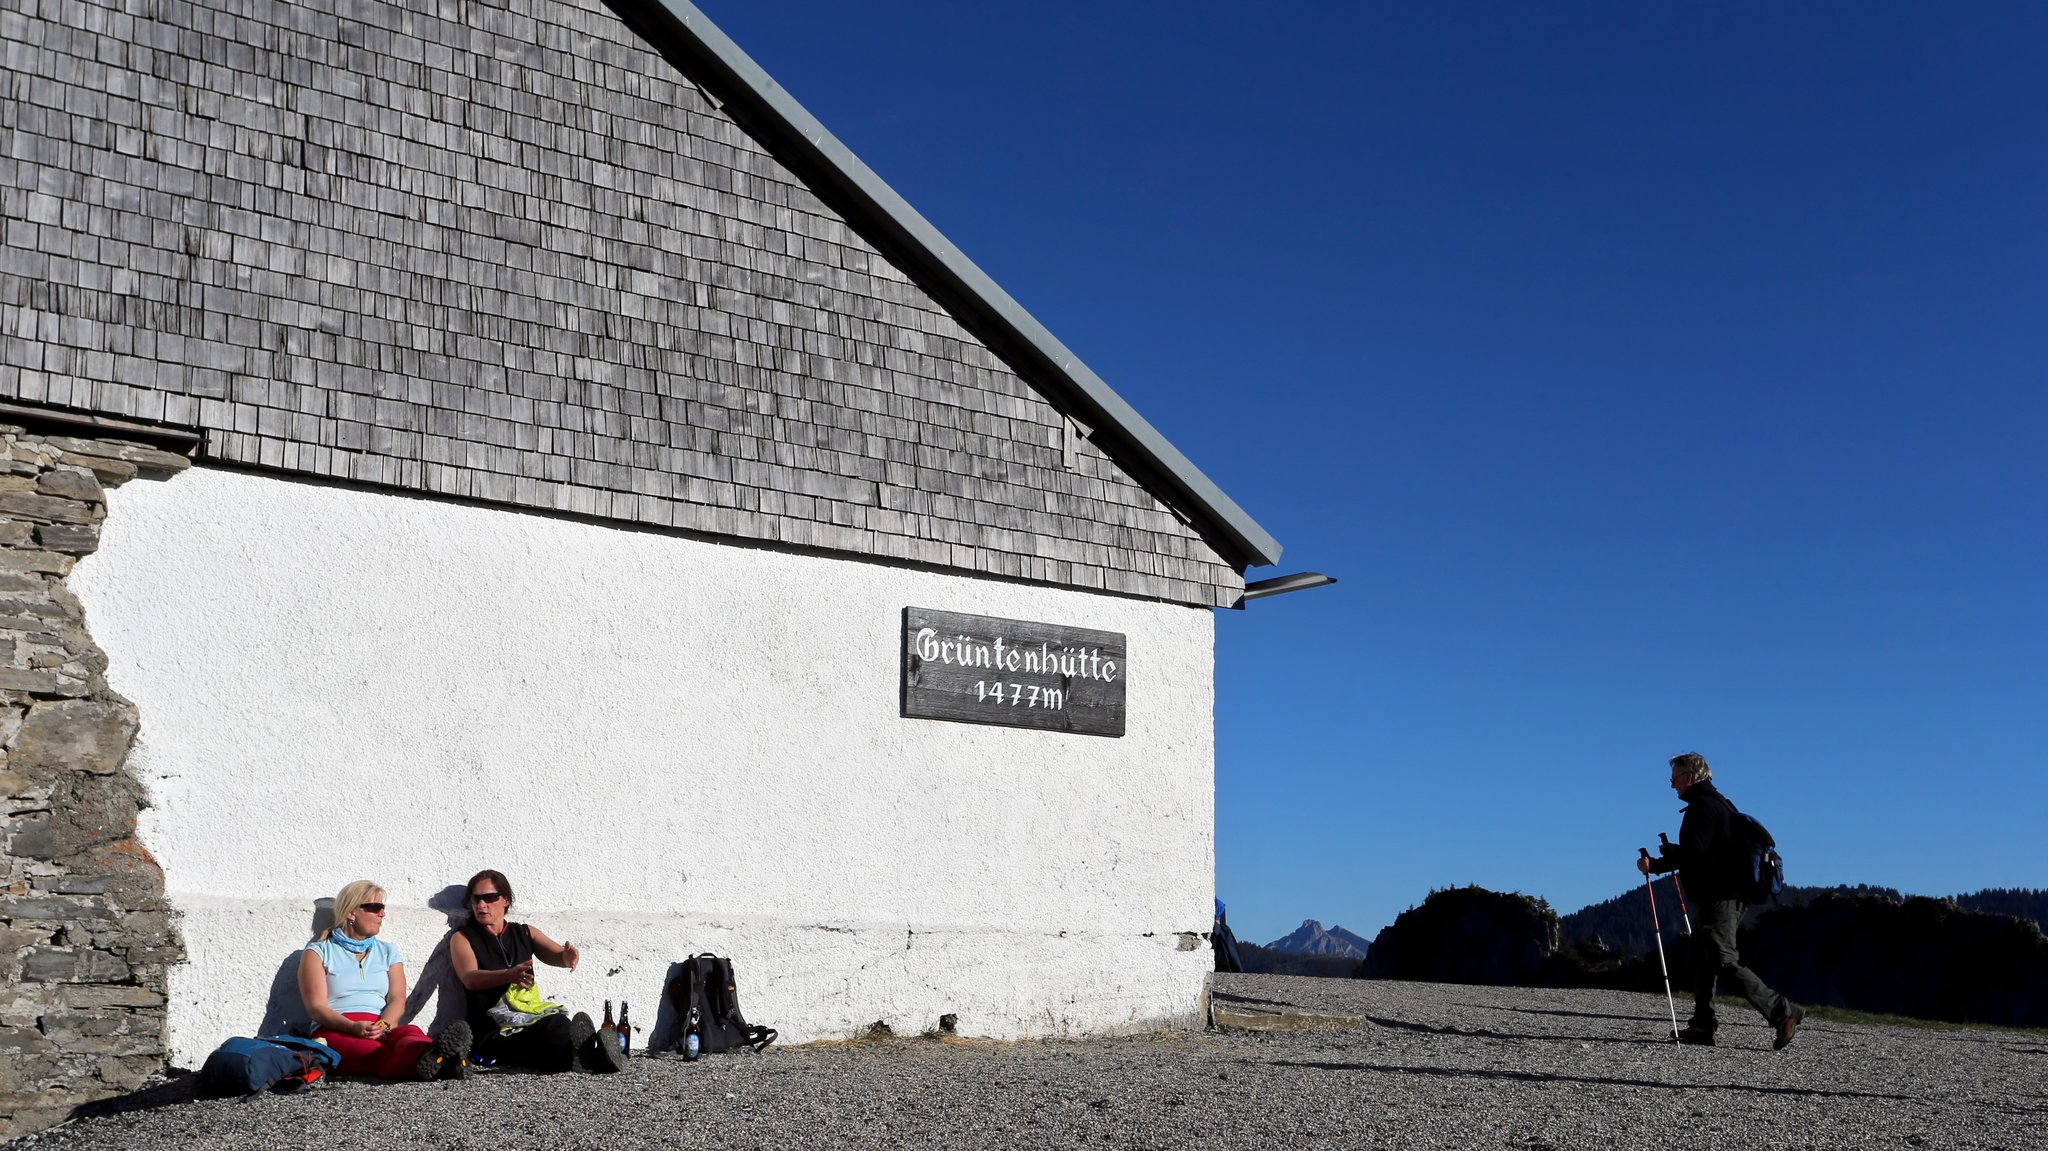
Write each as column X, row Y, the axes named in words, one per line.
column 1440, row 1066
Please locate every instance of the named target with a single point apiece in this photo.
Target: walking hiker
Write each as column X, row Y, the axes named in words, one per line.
column 1708, row 860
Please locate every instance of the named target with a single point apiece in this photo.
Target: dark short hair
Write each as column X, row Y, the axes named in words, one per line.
column 497, row 879
column 1692, row 762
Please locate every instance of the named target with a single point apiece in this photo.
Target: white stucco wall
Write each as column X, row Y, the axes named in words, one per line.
column 670, row 746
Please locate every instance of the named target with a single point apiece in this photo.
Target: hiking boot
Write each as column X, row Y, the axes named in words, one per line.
column 581, row 1032
column 603, row 1055
column 450, row 1048
column 430, row 1065
column 1696, row 1036
column 454, row 1045
column 1788, row 1027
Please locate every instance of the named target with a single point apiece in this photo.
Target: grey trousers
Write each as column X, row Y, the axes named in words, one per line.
column 1714, row 958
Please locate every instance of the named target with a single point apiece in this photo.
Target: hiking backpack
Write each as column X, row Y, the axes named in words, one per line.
column 706, row 983
column 1759, row 869
column 243, row 1066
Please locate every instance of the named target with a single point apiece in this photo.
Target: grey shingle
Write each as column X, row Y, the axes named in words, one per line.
column 513, row 258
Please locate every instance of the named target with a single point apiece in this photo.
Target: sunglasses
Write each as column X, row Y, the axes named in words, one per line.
column 372, row 908
column 487, row 897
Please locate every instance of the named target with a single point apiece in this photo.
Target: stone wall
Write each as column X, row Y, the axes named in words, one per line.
column 85, row 932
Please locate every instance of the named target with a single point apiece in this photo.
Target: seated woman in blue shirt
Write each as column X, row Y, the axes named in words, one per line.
column 353, row 985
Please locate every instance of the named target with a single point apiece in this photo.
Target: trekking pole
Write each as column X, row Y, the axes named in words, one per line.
column 1650, row 886
column 1683, row 912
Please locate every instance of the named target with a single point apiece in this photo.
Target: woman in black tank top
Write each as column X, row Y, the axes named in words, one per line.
column 490, row 954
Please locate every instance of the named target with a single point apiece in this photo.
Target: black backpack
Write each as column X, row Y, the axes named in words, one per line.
column 706, row 983
column 1759, row 871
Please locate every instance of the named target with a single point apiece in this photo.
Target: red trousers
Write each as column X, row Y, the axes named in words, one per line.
column 395, row 1056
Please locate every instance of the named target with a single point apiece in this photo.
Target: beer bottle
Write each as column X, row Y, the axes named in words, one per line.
column 608, row 1014
column 693, row 1038
column 625, row 1030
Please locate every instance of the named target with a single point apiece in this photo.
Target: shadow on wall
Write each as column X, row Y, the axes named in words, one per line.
column 436, row 983
column 432, row 985
column 283, row 1013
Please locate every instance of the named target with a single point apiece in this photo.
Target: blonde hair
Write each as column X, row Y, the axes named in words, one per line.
column 352, row 897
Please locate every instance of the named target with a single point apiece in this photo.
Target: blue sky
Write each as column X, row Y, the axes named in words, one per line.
column 1654, row 377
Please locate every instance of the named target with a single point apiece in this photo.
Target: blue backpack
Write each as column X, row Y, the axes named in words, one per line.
column 281, row 1062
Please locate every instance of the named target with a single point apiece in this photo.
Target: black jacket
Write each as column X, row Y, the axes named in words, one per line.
column 1704, row 853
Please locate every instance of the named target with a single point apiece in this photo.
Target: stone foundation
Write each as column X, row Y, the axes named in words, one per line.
column 85, row 932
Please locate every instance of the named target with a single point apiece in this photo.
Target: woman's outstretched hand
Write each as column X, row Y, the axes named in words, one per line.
column 570, row 955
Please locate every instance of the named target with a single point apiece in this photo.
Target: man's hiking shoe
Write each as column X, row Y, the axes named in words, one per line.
column 1694, row 1037
column 1788, row 1027
column 448, row 1051
column 603, row 1055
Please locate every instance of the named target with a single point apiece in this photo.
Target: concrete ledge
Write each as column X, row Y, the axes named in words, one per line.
column 1256, row 1003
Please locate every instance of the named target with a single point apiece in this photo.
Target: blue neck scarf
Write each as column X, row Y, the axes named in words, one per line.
column 352, row 946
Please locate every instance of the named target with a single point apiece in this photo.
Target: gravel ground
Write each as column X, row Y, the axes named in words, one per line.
column 1438, row 1066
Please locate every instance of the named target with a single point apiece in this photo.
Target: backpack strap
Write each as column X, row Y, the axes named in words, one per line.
column 326, row 1056
column 310, row 1069
column 725, row 1000
column 759, row 1037
column 681, row 989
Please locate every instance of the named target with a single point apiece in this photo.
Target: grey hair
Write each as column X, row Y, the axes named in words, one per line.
column 1695, row 764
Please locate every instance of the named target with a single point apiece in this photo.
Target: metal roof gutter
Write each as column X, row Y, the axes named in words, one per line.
column 689, row 40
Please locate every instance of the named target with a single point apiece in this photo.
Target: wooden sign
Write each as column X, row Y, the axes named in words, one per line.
column 980, row 669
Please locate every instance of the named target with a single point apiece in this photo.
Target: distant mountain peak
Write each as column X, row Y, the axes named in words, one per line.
column 1311, row 939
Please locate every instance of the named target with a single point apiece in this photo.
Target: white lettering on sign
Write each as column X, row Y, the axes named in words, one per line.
column 966, row 651
column 1012, row 694
column 1013, row 673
